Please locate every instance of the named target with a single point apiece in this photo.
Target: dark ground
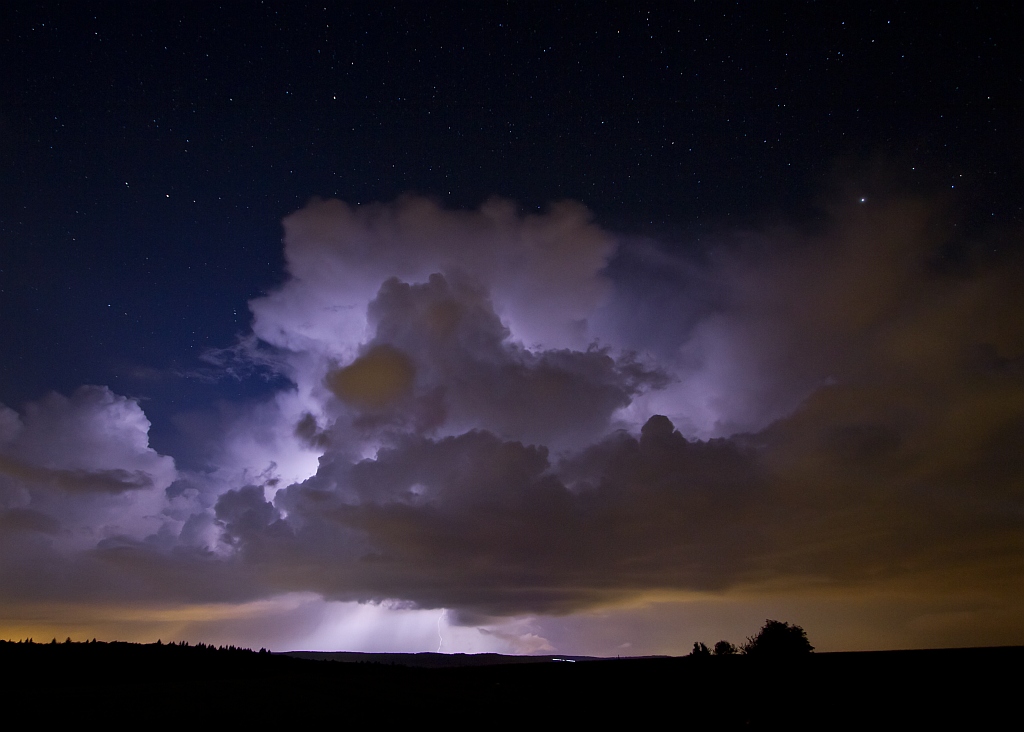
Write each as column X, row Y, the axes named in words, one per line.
column 933, row 689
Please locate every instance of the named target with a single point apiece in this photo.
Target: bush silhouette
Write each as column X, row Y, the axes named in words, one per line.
column 777, row 639
column 725, row 648
column 700, row 651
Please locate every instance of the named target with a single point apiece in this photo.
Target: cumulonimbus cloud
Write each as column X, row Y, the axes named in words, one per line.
column 820, row 359
column 494, row 428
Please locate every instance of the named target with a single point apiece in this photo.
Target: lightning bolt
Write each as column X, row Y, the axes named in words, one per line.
column 440, row 640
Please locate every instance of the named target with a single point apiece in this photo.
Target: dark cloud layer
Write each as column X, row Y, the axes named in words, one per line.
column 891, row 411
column 442, row 354
column 850, row 413
column 491, row 526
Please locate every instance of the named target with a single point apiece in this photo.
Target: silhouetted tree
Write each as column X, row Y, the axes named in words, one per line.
column 778, row 639
column 725, row 648
column 700, row 651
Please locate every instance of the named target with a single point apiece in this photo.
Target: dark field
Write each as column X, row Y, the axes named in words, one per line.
column 130, row 684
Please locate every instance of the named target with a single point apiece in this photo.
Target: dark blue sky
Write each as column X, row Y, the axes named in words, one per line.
column 150, row 151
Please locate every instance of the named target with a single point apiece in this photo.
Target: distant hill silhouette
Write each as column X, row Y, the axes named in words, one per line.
column 930, row 689
column 435, row 660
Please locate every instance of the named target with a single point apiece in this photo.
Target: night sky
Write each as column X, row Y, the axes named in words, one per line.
column 589, row 328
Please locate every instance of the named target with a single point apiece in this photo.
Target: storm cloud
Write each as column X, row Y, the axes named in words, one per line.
column 510, row 415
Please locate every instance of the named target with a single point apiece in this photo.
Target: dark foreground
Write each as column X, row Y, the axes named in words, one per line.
column 133, row 684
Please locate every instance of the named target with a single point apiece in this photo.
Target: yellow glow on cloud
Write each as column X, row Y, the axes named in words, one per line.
column 375, row 380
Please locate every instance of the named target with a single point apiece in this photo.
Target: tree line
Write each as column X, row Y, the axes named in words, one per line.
column 775, row 639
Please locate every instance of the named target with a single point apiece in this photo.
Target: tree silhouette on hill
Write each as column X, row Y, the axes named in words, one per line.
column 778, row 639
column 725, row 648
column 700, row 651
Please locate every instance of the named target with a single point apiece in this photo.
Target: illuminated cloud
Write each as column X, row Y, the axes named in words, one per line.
column 74, row 472
column 543, row 271
column 508, row 417
column 93, row 430
column 866, row 425
column 84, row 455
